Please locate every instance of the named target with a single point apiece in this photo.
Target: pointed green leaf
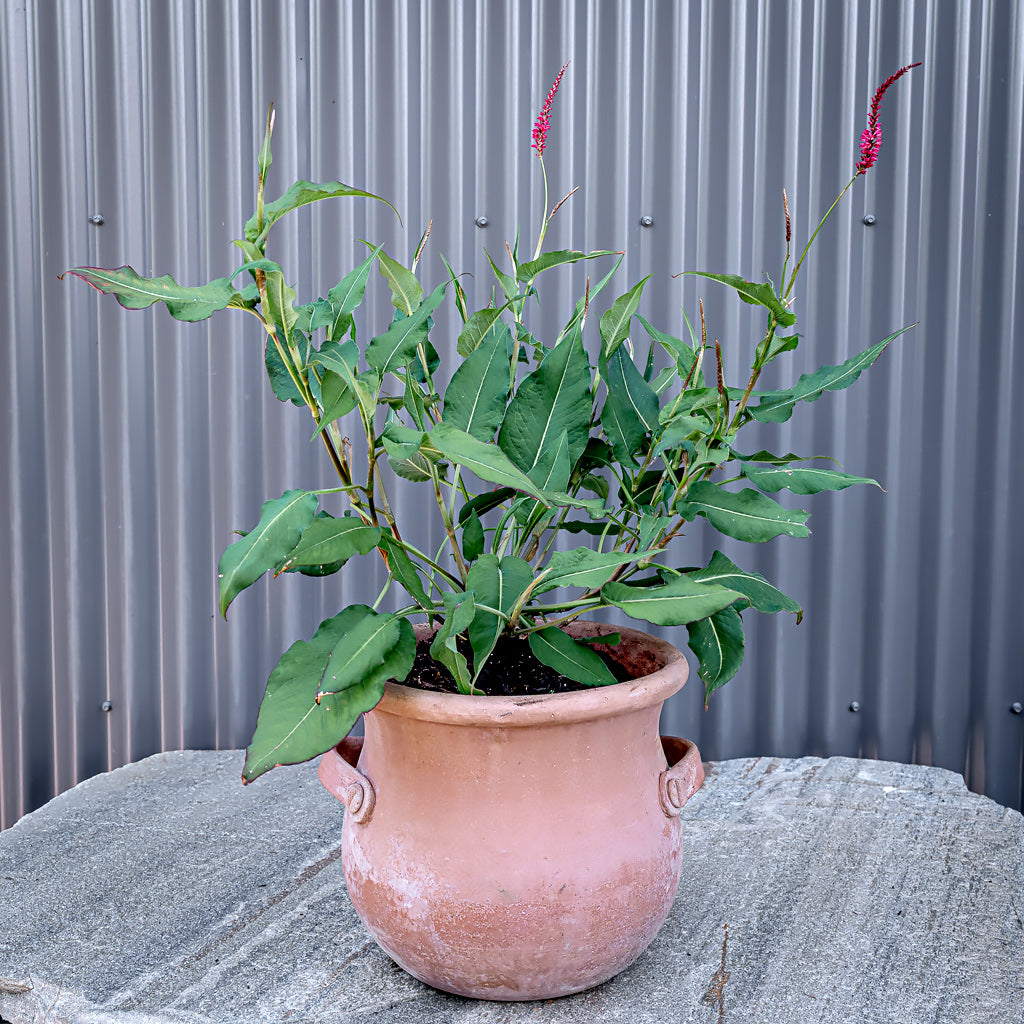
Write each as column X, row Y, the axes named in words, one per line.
column 302, row 193
column 360, row 654
column 401, row 442
column 764, row 596
column 777, row 406
column 615, row 322
column 486, row 460
column 802, row 480
column 482, row 326
column 554, row 398
column 497, row 584
column 397, row 345
column 683, row 355
column 475, row 399
column 336, row 399
column 345, row 297
column 459, row 610
column 472, row 538
column 328, row 541
column 747, row 515
column 282, row 522
column 484, row 502
column 759, row 293
column 292, row 725
column 631, row 407
column 281, row 382
column 586, row 298
column 135, row 292
column 507, row 282
column 584, row 567
column 406, row 291
column 560, row 652
column 528, row 271
column 717, row 641
column 673, row 604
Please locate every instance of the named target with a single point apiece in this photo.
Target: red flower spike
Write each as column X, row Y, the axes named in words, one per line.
column 871, row 137
column 543, row 122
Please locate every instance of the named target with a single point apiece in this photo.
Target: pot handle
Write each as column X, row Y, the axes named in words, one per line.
column 342, row 779
column 683, row 777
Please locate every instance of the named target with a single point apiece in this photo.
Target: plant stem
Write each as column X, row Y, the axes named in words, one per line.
column 821, row 224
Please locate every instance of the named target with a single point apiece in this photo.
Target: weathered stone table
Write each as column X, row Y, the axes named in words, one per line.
column 814, row 892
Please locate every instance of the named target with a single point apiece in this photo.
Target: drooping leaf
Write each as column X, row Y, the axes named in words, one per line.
column 472, row 538
column 282, row 522
column 397, row 345
column 406, row 290
column 302, row 193
column 631, row 407
column 717, row 641
column 327, row 541
column 292, row 726
column 459, row 610
column 475, row 399
column 780, row 345
column 401, row 442
column 336, row 397
column 484, row 459
column 497, row 584
column 756, row 293
column 507, row 282
column 560, row 652
column 675, row 603
column 528, row 271
column 281, row 382
column 802, row 480
column 482, row 326
column 135, row 292
column 746, row 515
column 360, row 654
column 554, row 398
column 777, row 406
column 615, row 321
column 761, row 594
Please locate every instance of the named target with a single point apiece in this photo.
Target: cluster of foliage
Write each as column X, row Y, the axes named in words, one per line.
column 566, row 444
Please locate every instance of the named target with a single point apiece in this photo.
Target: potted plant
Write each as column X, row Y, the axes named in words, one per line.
column 512, row 821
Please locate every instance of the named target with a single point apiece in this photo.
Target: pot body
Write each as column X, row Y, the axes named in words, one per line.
column 518, row 848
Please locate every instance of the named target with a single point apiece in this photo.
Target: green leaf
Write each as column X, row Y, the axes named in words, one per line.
column 481, row 326
column 484, row 459
column 761, row 594
column 472, row 538
column 683, row 355
column 135, row 292
column 615, row 322
column 802, row 480
column 631, row 407
column 397, row 345
column 672, row 604
column 528, row 271
column 416, row 467
column 584, row 567
column 340, row 359
column 459, row 610
column 759, row 293
column 402, row 569
column 747, row 515
column 586, row 298
column 559, row 651
column 554, row 398
column 485, row 502
column 292, row 725
column 360, row 654
column 780, row 345
column 406, row 291
column 497, row 584
column 507, row 282
column 336, row 399
column 777, row 406
column 401, row 442
column 475, row 399
column 328, row 541
column 345, row 297
column 717, row 641
column 281, row 382
column 282, row 522
column 302, row 193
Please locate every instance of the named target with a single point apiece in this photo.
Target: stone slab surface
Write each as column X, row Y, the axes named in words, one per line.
column 814, row 892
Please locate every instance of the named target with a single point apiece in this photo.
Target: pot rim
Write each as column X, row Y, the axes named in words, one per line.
column 551, row 708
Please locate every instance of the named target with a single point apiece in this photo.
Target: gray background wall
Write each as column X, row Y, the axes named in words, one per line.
column 135, row 444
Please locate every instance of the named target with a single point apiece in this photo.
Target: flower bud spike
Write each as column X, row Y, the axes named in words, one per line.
column 789, row 226
column 543, row 122
column 558, row 205
column 871, row 137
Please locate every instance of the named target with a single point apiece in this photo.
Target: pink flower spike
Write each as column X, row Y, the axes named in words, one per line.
column 543, row 122
column 871, row 137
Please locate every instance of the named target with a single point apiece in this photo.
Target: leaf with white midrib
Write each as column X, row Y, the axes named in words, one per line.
column 560, row 652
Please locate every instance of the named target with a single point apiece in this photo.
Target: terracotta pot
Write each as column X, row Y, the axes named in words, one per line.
column 520, row 847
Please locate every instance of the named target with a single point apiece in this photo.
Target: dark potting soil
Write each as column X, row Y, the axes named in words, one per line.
column 512, row 670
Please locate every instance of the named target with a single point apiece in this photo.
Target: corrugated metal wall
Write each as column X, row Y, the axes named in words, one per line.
column 135, row 444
